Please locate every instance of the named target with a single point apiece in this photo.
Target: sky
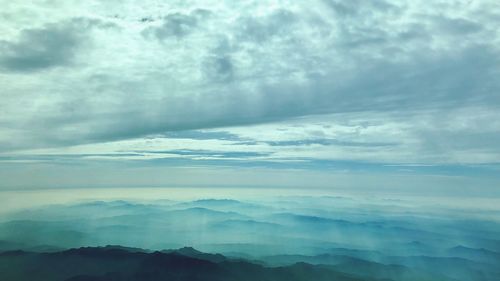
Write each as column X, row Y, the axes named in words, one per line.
column 297, row 94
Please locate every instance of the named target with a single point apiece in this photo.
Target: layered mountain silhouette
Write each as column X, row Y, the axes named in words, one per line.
column 303, row 238
column 114, row 263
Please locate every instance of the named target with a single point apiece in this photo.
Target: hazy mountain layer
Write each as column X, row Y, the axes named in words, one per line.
column 371, row 238
column 113, row 263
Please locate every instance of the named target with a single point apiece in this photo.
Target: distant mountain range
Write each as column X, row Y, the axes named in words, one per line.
column 113, row 263
column 116, row 263
column 303, row 238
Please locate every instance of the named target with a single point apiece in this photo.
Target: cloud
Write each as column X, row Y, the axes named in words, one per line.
column 360, row 8
column 327, row 142
column 217, row 73
column 277, row 24
column 219, row 68
column 457, row 26
column 176, row 25
column 207, row 154
column 203, row 135
column 46, row 47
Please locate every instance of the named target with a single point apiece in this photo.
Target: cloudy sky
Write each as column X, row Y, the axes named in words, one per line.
column 320, row 93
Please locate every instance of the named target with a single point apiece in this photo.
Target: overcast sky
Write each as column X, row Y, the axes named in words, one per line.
column 250, row 93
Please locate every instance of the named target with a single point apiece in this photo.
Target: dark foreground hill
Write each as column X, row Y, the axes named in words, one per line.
column 118, row 263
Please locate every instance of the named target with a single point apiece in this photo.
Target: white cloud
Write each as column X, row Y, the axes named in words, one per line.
column 373, row 81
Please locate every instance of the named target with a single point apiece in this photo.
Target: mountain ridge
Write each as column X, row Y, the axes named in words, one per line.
column 117, row 263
